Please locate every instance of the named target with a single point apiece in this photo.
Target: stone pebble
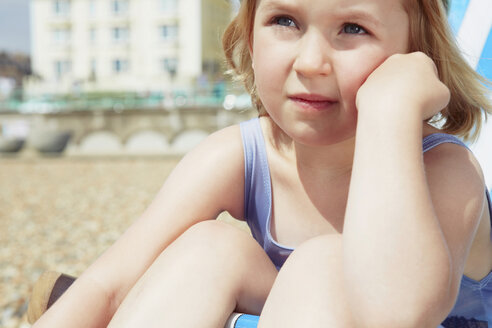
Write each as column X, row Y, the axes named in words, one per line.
column 61, row 213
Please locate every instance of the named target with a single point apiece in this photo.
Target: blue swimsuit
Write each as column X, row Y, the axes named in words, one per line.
column 473, row 307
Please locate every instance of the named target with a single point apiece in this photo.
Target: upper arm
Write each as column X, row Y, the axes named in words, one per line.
column 457, row 191
column 207, row 181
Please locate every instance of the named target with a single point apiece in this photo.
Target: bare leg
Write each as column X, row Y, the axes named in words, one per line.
column 309, row 290
column 199, row 280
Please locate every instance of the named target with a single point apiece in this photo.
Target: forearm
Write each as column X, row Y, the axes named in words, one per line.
column 396, row 259
column 85, row 304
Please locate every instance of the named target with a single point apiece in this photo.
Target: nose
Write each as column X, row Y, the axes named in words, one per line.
column 313, row 55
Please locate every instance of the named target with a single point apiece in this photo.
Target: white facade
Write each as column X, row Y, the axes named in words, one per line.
column 116, row 45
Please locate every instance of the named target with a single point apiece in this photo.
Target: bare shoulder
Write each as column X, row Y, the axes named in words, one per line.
column 450, row 157
column 214, row 172
column 219, row 143
column 457, row 189
column 454, row 167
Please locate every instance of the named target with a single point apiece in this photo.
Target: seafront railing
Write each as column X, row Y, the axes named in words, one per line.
column 119, row 101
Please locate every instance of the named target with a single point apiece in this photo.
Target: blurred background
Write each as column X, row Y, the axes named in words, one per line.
column 99, row 99
column 114, row 77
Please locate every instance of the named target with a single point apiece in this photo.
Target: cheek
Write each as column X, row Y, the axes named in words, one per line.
column 354, row 72
column 266, row 79
column 265, row 69
column 268, row 65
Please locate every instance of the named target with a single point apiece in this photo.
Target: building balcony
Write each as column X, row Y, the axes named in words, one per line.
column 60, row 22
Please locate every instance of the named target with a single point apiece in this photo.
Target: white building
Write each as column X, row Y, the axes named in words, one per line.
column 124, row 45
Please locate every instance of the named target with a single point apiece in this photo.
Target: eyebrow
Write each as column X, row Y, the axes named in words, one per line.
column 357, row 14
column 341, row 14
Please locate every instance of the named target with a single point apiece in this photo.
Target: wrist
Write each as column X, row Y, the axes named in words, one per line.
column 393, row 110
column 391, row 119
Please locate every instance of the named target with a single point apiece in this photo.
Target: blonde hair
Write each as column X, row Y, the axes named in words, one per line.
column 235, row 42
column 429, row 33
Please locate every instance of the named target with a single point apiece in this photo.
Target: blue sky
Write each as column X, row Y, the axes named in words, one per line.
column 14, row 26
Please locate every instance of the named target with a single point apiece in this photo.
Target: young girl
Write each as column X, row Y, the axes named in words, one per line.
column 372, row 215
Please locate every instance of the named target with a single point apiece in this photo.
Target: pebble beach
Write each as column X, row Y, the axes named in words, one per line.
column 61, row 213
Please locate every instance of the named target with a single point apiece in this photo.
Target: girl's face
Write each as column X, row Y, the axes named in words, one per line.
column 311, row 56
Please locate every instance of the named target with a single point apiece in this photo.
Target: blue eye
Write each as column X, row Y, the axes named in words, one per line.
column 351, row 28
column 284, row 21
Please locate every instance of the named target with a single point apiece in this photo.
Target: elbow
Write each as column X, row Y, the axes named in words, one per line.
column 426, row 315
column 420, row 306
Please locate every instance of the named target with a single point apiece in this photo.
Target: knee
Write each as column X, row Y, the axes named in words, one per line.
column 317, row 253
column 219, row 248
column 218, row 241
column 213, row 234
column 324, row 243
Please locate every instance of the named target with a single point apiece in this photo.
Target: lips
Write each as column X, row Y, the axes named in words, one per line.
column 312, row 101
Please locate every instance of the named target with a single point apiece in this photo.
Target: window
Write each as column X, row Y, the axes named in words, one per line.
column 93, row 66
column 120, row 66
column 92, row 8
column 169, row 6
column 61, row 35
column 92, row 35
column 61, row 7
column 170, row 65
column 169, row 32
column 62, row 67
column 93, row 70
column 119, row 7
column 120, row 34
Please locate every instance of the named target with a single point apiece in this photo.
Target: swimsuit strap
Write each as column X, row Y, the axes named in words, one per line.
column 257, row 188
column 435, row 139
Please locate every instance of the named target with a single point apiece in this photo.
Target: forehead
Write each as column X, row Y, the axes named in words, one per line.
column 334, row 7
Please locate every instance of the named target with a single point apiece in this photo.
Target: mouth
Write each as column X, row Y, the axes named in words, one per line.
column 313, row 102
